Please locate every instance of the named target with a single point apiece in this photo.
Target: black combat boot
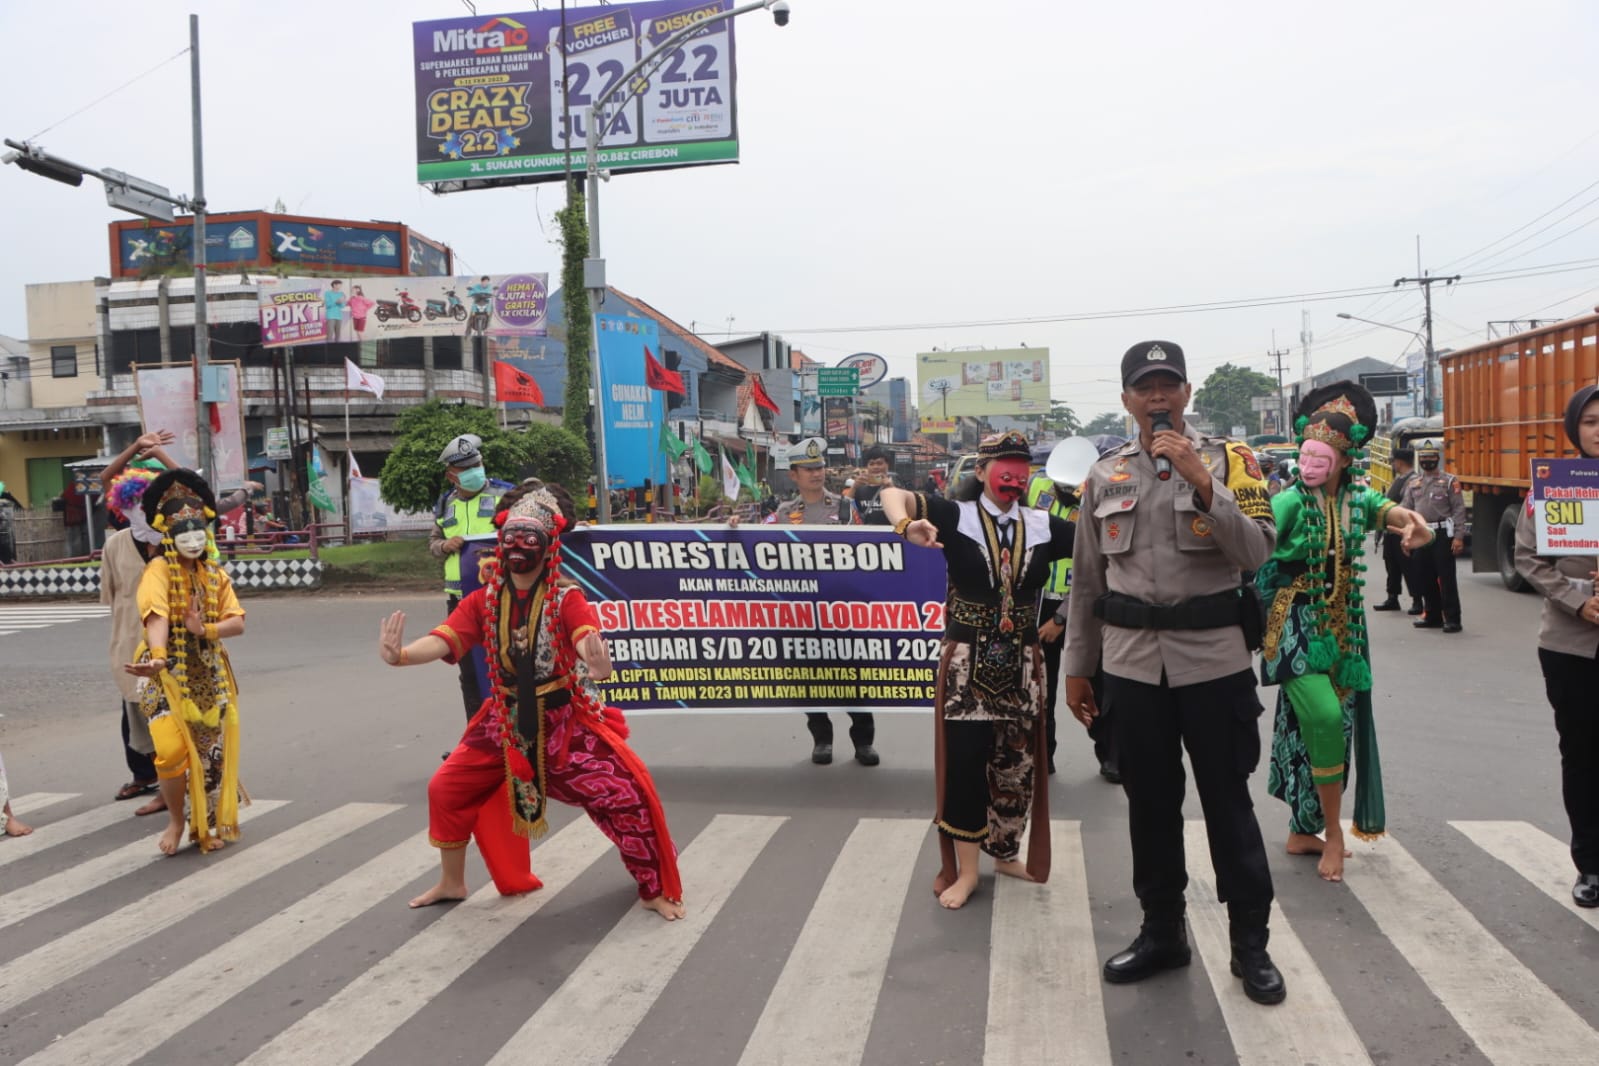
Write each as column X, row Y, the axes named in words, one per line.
column 1390, row 604
column 1248, row 933
column 1161, row 944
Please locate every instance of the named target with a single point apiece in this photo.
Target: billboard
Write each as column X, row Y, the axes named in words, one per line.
column 490, row 109
column 1005, row 381
column 631, row 412
column 344, row 310
column 270, row 240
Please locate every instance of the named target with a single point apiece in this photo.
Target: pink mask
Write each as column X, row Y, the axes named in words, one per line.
column 1007, row 479
column 1316, row 462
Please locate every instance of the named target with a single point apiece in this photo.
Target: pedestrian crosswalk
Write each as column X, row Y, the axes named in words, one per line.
column 21, row 617
column 305, row 919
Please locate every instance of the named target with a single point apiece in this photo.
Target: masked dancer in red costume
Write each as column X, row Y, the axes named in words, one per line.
column 542, row 733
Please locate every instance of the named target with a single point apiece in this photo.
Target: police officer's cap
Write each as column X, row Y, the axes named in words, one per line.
column 1150, row 357
column 465, row 450
column 809, row 454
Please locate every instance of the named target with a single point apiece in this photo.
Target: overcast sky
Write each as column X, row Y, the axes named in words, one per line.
column 930, row 164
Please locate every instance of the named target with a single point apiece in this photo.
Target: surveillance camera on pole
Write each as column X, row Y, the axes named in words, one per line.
column 779, row 9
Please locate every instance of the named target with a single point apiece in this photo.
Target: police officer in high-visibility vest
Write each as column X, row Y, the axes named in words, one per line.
column 466, row 509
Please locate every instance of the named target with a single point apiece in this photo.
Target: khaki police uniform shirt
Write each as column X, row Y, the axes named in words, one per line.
column 1149, row 539
column 1438, row 499
column 794, row 511
column 1565, row 584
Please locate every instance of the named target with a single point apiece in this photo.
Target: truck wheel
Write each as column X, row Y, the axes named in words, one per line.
column 1506, row 544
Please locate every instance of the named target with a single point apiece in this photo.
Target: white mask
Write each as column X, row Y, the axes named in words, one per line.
column 190, row 545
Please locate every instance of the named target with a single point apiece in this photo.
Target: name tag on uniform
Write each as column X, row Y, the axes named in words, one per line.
column 1113, row 492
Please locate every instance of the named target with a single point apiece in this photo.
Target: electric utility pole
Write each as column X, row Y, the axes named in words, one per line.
column 1427, row 281
column 1277, row 355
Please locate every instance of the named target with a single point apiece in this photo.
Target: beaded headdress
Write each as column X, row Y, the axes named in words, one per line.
column 1342, row 415
column 539, row 506
column 1008, row 445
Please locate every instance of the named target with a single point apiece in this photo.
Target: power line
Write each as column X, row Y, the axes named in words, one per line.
column 107, row 96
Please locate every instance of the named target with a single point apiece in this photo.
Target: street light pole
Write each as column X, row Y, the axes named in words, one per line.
column 594, row 265
column 202, row 330
column 1426, row 343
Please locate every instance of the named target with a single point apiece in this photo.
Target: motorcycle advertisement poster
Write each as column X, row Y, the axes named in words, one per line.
column 352, row 309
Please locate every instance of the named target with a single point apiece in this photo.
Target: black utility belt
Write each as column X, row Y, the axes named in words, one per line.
column 1215, row 611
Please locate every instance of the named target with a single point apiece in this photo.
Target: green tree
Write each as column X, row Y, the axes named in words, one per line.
column 1113, row 423
column 1062, row 419
column 413, row 477
column 1224, row 397
column 579, row 322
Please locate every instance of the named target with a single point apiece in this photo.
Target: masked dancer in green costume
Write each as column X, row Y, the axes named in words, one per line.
column 1315, row 646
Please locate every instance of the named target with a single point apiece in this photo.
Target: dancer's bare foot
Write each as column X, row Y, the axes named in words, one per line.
column 941, row 883
column 171, row 837
column 441, row 893
column 671, row 910
column 955, row 896
column 1305, row 844
column 15, row 828
column 155, row 806
column 1012, row 868
column 1331, row 866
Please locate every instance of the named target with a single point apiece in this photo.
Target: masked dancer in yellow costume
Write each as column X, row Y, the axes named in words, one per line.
column 188, row 606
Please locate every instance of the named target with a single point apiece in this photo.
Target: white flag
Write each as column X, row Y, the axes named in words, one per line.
column 355, row 467
column 356, row 378
column 730, row 483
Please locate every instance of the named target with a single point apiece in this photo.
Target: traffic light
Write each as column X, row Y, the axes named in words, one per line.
column 48, row 168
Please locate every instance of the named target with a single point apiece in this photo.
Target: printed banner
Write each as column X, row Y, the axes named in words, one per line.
column 346, row 310
column 490, row 110
column 166, row 401
column 1564, row 504
column 370, row 514
column 762, row 618
column 630, row 411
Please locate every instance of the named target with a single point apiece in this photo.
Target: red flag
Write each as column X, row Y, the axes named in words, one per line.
column 516, row 386
column 760, row 396
column 661, row 379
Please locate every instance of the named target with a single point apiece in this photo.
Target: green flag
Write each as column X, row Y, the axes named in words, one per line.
column 702, row 458
column 670, row 444
column 319, row 488
column 751, row 463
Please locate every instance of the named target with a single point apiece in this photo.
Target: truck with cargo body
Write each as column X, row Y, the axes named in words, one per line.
column 1504, row 405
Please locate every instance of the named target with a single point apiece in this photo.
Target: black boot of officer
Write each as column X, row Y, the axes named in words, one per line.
column 1246, row 928
column 1161, row 944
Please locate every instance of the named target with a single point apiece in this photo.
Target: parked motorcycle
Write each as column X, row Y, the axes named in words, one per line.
column 405, row 308
column 454, row 308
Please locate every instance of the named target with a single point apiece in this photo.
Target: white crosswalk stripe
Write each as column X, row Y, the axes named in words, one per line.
column 49, row 834
column 36, row 801
column 1514, row 1018
column 23, row 903
column 1044, row 1000
column 40, row 970
column 1535, row 855
column 22, row 617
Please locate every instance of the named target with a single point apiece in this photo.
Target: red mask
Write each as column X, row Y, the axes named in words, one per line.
column 1006, row 479
column 523, row 545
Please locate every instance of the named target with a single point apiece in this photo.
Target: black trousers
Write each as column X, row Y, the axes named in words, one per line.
column 1401, row 568
column 471, row 698
column 1101, row 732
column 1435, row 573
column 142, row 766
column 1572, row 684
column 862, row 727
column 1219, row 723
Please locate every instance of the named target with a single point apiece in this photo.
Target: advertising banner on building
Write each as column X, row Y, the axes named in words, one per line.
column 489, row 107
column 166, row 401
column 1007, row 381
column 1564, row 505
column 345, row 310
column 631, row 411
column 762, row 618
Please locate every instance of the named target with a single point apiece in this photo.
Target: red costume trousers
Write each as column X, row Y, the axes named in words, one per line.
column 468, row 796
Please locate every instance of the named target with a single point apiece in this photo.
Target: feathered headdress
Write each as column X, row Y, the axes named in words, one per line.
column 126, row 489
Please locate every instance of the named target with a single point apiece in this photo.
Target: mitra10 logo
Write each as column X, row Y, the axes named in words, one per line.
column 495, row 36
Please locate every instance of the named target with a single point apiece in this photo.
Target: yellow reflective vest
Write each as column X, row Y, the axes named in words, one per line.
column 466, row 518
column 1041, row 494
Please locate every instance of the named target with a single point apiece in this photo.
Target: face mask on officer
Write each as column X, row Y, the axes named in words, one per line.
column 472, row 479
column 1429, row 463
column 1317, row 460
column 191, row 543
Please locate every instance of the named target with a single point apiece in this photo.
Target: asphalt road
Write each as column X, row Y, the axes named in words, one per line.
column 813, row 936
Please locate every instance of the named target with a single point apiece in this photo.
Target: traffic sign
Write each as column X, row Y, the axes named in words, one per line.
column 838, row 380
column 137, row 196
